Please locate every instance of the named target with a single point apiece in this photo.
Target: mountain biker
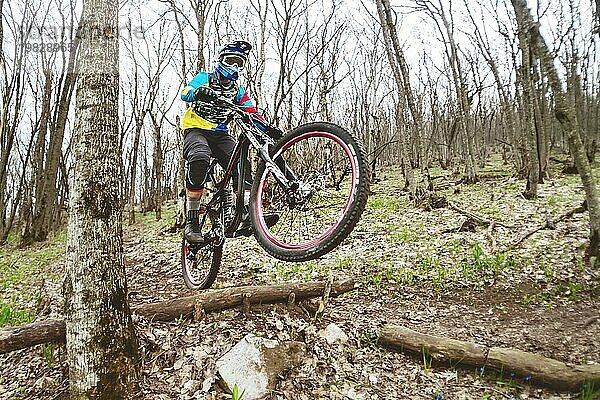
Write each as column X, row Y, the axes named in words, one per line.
column 206, row 134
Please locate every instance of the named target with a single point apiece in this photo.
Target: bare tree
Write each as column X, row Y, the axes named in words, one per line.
column 202, row 9
column 12, row 93
column 262, row 11
column 564, row 110
column 101, row 342
column 44, row 216
column 401, row 76
column 1, row 32
column 445, row 25
column 525, row 79
column 598, row 17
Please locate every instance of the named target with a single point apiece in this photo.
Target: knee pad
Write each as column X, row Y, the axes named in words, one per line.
column 195, row 177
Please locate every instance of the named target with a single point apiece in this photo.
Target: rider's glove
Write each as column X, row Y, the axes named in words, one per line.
column 205, row 93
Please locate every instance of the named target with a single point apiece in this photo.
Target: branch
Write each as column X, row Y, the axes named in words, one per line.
column 478, row 218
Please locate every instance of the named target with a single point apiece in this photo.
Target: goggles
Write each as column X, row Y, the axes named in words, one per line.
column 233, row 60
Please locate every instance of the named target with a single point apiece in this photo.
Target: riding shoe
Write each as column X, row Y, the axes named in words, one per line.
column 246, row 229
column 192, row 233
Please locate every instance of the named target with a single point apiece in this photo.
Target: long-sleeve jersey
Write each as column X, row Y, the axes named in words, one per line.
column 208, row 116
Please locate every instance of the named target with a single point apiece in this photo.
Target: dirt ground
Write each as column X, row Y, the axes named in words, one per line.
column 412, row 267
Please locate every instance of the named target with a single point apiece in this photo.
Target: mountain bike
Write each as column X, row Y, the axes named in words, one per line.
column 314, row 178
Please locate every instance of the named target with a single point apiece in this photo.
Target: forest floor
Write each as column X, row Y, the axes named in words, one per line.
column 413, row 267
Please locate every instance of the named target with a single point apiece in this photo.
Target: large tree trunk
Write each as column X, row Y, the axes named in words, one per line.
column 565, row 113
column 101, row 342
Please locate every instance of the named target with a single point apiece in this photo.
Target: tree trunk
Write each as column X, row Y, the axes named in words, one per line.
column 101, row 343
column 180, row 178
column 597, row 17
column 10, row 114
column 1, row 33
column 261, row 11
column 139, row 124
column 157, row 166
column 533, row 165
column 36, row 183
column 566, row 115
column 394, row 54
column 202, row 8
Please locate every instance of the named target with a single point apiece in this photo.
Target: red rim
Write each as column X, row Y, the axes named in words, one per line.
column 258, row 204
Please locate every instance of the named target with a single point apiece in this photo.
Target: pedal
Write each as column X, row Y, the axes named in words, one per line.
column 246, row 232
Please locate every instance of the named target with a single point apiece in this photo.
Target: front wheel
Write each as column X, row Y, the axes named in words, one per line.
column 328, row 168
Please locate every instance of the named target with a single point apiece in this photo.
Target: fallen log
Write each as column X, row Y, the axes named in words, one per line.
column 221, row 299
column 53, row 330
column 536, row 369
column 482, row 220
column 551, row 223
column 20, row 337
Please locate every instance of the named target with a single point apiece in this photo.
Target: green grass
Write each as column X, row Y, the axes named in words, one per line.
column 10, row 315
column 402, row 234
column 148, row 219
column 590, row 391
column 305, row 271
column 30, row 265
column 387, row 203
column 21, row 273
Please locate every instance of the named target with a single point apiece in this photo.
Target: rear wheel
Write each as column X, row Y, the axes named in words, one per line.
column 330, row 194
column 200, row 263
column 200, row 267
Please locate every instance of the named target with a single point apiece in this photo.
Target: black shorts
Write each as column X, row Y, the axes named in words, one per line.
column 200, row 145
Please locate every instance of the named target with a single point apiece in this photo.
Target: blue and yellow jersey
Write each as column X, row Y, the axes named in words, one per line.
column 208, row 116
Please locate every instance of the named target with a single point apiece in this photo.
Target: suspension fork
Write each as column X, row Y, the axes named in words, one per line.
column 283, row 175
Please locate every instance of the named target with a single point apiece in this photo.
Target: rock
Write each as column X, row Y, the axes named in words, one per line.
column 333, row 334
column 255, row 362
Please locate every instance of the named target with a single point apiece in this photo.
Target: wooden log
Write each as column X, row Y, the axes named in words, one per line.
column 439, row 348
column 536, row 369
column 221, row 299
column 53, row 330
column 20, row 337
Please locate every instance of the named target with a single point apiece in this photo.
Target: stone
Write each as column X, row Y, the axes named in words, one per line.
column 333, row 334
column 255, row 362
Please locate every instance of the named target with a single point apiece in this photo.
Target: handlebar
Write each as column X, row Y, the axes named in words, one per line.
column 240, row 111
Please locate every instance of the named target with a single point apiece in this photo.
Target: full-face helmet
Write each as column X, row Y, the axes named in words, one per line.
column 232, row 59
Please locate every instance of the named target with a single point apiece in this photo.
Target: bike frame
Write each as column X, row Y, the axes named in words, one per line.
column 250, row 135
